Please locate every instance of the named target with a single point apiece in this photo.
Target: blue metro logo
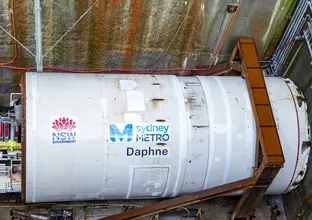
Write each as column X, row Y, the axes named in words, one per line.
column 114, row 131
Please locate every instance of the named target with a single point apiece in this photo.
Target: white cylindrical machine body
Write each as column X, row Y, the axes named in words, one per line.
column 100, row 136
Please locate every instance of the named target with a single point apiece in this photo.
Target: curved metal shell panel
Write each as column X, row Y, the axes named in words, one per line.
column 98, row 136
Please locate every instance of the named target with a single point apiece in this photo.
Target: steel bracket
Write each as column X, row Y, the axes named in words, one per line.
column 270, row 156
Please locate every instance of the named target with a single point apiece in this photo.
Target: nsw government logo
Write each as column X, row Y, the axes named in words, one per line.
column 64, row 130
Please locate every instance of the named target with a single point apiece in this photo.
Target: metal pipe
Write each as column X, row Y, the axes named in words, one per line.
column 293, row 27
column 293, row 23
column 296, row 21
column 287, row 71
column 225, row 33
column 287, row 34
column 38, row 36
column 296, row 16
column 227, row 17
column 287, row 50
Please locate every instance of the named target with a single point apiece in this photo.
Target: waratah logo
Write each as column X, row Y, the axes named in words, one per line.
column 63, row 130
column 64, row 124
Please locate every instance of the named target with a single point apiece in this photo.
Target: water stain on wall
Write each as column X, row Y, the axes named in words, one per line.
column 132, row 33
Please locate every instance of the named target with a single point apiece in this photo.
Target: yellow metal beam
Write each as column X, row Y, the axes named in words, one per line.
column 6, row 146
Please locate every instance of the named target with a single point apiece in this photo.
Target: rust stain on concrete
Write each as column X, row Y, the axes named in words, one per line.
column 188, row 31
column 137, row 6
column 22, row 30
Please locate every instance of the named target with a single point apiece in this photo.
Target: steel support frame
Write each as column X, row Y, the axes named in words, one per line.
column 269, row 157
column 219, row 69
column 184, row 200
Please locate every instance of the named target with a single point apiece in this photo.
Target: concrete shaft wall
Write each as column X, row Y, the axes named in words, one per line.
column 135, row 34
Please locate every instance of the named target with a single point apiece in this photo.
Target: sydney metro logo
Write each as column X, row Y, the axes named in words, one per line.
column 63, row 130
column 145, row 132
